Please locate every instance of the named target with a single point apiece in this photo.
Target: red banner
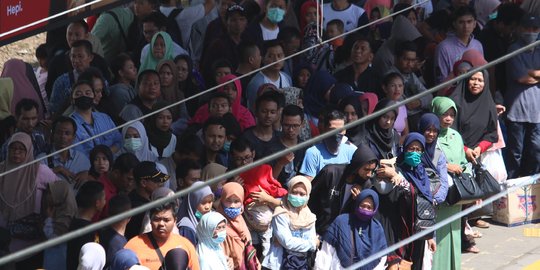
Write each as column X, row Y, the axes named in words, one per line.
column 16, row 13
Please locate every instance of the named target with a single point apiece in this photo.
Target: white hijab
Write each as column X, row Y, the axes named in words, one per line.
column 92, row 257
column 145, row 153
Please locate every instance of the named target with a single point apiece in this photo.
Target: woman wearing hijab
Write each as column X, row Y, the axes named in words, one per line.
column 477, row 120
column 352, row 108
column 161, row 48
column 192, row 209
column 354, row 236
column 176, row 259
column 234, row 91
column 170, row 90
column 448, row 241
column 212, row 233
column 135, row 141
column 21, row 200
column 316, row 94
column 369, row 101
column 124, row 259
column 238, row 235
column 293, row 229
column 451, row 144
column 187, row 81
column 92, row 257
column 160, row 136
column 59, row 203
column 410, row 165
column 382, row 138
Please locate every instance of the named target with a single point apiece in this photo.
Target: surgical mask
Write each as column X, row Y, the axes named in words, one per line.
column 363, row 214
column 383, row 187
column 84, row 102
column 529, row 37
column 220, row 237
column 332, row 143
column 297, row 201
column 275, row 15
column 133, row 144
column 227, row 146
column 232, row 212
column 412, row 158
column 198, row 214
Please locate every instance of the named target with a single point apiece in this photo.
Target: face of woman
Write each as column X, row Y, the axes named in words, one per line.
column 386, row 121
column 394, row 89
column 311, row 15
column 476, row 83
column 164, row 120
column 16, row 153
column 98, row 90
column 303, row 78
column 183, row 70
column 222, row 72
column 219, row 228
column 367, row 204
column 447, row 118
column 132, row 133
column 415, row 146
column 230, row 90
column 206, row 204
column 430, row 134
column 166, row 76
column 299, row 190
column 158, row 50
column 218, row 107
column 350, row 113
column 232, row 201
column 101, row 163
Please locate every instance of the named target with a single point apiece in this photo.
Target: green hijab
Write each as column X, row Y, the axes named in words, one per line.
column 449, row 140
column 440, row 105
column 151, row 62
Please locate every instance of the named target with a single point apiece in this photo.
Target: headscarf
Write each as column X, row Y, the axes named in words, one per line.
column 381, row 138
column 417, row 175
column 477, row 120
column 319, row 83
column 24, row 83
column 101, row 148
column 340, row 91
column 357, row 133
column 17, row 198
column 303, row 10
column 301, row 218
column 189, row 205
column 157, row 137
column 458, row 65
column 65, row 206
column 206, row 247
column 212, row 170
column 151, row 62
column 92, row 257
column 484, row 8
column 475, row 57
column 371, row 99
column 371, row 239
column 362, row 155
column 439, row 105
column 124, row 259
column 6, row 97
column 176, row 259
column 190, row 86
column 143, row 154
column 301, row 66
column 171, row 93
column 429, row 120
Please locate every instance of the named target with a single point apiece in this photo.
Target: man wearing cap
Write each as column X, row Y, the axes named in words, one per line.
column 225, row 46
column 523, row 100
column 147, row 179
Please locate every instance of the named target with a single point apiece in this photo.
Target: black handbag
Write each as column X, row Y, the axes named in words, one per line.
column 424, row 213
column 488, row 184
column 465, row 190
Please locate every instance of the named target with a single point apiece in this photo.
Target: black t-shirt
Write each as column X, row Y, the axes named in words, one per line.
column 262, row 148
column 286, row 174
column 133, row 228
column 74, row 246
column 112, row 242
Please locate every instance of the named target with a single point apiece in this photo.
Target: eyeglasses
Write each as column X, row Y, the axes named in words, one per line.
column 287, row 126
column 243, row 159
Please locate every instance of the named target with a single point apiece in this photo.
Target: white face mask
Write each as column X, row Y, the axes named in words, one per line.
column 383, row 187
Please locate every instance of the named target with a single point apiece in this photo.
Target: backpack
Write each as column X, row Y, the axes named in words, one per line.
column 172, row 26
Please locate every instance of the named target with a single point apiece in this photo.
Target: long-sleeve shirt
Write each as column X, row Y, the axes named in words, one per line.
column 450, row 51
column 102, row 123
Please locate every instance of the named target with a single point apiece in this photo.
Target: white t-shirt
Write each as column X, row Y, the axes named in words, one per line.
column 269, row 34
column 349, row 16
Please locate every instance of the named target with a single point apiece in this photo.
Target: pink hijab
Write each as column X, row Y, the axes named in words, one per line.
column 23, row 87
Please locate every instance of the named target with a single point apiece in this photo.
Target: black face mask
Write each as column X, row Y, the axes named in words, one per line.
column 332, row 143
column 84, row 103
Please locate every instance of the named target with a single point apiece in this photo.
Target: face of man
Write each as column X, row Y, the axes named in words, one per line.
column 366, row 171
column 192, row 176
column 267, row 113
column 406, row 62
column 162, row 224
column 214, row 137
column 236, row 24
column 464, row 25
column 123, row 181
column 149, row 88
column 63, row 135
column 361, row 52
column 242, row 158
column 291, row 126
column 75, row 32
column 142, row 8
column 28, row 120
column 274, row 55
column 149, row 29
column 80, row 59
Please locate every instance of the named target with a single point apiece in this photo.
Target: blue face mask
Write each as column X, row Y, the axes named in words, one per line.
column 198, row 214
column 297, row 201
column 227, row 146
column 220, row 237
column 412, row 158
column 275, row 15
column 232, row 212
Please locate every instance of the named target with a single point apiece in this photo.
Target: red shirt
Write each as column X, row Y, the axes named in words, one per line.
column 110, row 191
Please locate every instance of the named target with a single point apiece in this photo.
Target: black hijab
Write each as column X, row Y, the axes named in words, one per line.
column 361, row 156
column 477, row 117
column 383, row 139
column 157, row 137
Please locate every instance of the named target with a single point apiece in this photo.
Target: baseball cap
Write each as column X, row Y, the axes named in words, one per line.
column 236, row 9
column 147, row 170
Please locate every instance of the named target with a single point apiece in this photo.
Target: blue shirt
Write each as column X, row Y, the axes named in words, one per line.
column 77, row 162
column 102, row 123
column 318, row 156
column 61, row 92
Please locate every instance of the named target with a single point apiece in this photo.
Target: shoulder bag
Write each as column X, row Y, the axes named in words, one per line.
column 488, row 184
column 465, row 190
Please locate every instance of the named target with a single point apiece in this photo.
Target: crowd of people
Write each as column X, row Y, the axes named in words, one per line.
column 327, row 206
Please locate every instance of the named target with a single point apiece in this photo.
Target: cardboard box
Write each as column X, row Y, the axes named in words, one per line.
column 518, row 207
